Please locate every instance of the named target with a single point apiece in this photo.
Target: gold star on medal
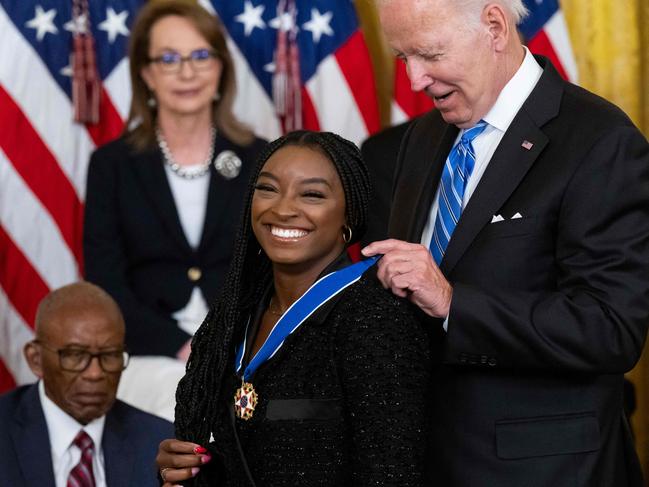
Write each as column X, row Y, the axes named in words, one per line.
column 245, row 401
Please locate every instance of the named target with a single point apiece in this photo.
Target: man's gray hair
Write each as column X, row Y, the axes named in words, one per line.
column 515, row 8
column 473, row 8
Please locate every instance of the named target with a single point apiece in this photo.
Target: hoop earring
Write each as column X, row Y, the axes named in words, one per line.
column 347, row 234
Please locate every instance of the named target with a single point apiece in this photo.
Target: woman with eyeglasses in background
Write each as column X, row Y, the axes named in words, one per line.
column 163, row 200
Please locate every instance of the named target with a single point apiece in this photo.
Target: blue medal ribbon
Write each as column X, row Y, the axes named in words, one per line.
column 318, row 294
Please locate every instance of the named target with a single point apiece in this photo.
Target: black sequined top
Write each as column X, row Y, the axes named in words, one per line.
column 343, row 402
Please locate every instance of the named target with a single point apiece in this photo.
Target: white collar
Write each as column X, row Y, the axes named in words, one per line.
column 514, row 94
column 63, row 428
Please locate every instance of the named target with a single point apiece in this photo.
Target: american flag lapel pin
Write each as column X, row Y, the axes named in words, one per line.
column 527, row 145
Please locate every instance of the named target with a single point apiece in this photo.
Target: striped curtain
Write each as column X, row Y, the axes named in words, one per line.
column 611, row 45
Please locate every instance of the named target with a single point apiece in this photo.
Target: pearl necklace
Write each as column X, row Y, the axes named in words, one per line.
column 192, row 172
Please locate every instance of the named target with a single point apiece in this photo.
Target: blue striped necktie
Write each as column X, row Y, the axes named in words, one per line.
column 458, row 168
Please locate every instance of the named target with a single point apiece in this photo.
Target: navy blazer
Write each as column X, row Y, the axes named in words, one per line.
column 130, row 443
column 549, row 309
column 135, row 248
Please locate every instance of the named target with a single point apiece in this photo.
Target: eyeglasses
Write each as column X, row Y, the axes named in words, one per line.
column 171, row 62
column 77, row 360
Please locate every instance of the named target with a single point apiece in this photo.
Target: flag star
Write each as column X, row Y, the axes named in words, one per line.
column 67, row 70
column 270, row 67
column 319, row 24
column 251, row 18
column 43, row 22
column 77, row 24
column 284, row 22
column 114, row 24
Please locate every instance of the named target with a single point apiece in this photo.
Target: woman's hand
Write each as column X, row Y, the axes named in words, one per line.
column 180, row 460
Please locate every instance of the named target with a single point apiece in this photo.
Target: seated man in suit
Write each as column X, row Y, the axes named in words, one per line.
column 68, row 429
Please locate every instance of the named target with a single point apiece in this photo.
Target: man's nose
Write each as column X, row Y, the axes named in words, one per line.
column 94, row 369
column 418, row 75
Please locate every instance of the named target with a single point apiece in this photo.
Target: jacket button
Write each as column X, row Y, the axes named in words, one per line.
column 194, row 274
column 492, row 362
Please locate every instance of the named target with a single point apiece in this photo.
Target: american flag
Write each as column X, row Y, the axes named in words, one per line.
column 44, row 154
column 338, row 91
column 545, row 32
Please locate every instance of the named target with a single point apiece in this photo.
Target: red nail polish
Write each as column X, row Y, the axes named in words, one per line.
column 199, row 449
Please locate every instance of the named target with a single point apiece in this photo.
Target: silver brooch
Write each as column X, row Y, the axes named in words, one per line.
column 228, row 164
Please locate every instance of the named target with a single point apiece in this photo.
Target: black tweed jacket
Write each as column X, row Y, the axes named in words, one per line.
column 343, row 403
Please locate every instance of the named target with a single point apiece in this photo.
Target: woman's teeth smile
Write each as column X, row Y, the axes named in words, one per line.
column 292, row 233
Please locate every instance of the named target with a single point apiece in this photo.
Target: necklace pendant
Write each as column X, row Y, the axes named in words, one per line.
column 245, row 401
column 228, row 164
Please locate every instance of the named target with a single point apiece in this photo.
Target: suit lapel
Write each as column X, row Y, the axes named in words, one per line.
column 151, row 172
column 426, row 149
column 508, row 165
column 506, row 169
column 434, row 173
column 31, row 441
column 220, row 196
column 118, row 452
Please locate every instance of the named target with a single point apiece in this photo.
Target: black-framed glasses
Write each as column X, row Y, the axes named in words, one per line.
column 171, row 62
column 77, row 359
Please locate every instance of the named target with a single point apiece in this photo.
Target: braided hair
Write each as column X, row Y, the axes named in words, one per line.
column 250, row 272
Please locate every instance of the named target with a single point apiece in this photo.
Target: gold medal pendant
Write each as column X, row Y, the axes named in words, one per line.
column 245, row 401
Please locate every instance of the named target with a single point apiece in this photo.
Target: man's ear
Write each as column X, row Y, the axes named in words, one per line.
column 34, row 358
column 497, row 21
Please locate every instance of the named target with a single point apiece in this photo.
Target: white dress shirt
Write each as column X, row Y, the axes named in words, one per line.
column 62, row 429
column 499, row 118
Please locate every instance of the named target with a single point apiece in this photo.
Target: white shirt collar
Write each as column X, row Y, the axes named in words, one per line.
column 514, row 94
column 62, row 427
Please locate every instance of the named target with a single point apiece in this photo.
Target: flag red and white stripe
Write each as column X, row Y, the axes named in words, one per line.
column 44, row 154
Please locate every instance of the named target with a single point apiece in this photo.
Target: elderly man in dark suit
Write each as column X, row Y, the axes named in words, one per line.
column 68, row 429
column 521, row 230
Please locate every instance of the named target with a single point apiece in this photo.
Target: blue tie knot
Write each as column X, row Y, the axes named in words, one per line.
column 455, row 176
column 471, row 133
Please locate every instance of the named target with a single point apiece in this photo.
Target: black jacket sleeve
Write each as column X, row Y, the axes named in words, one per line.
column 385, row 372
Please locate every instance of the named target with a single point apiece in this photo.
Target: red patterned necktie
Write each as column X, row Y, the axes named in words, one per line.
column 81, row 475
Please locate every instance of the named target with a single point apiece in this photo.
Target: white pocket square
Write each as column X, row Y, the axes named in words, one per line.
column 517, row 215
column 496, row 219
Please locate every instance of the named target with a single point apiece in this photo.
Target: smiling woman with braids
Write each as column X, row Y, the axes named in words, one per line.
column 296, row 378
